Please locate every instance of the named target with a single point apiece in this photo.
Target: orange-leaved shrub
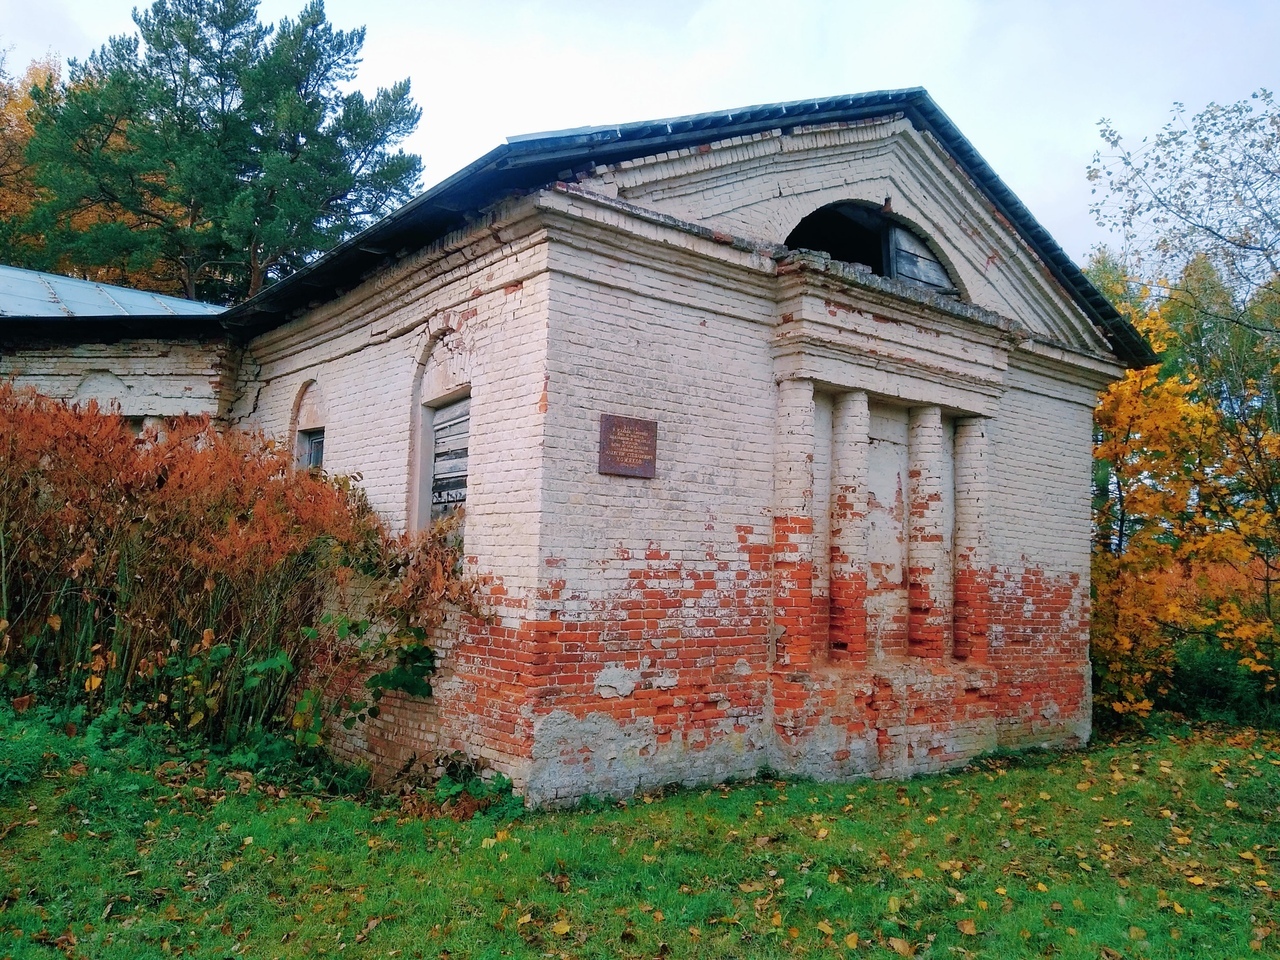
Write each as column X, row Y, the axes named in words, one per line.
column 177, row 574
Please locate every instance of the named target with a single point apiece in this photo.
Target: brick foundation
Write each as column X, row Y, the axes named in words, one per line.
column 568, row 708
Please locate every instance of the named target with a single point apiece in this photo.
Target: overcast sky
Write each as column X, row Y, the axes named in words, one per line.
column 1025, row 81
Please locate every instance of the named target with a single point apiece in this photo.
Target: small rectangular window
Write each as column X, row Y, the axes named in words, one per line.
column 450, row 428
column 311, row 448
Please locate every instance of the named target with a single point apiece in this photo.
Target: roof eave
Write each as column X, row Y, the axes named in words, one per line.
column 113, row 328
column 530, row 161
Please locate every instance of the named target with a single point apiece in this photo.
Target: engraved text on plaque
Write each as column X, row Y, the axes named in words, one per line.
column 628, row 447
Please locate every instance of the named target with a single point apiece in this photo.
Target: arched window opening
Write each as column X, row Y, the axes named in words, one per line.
column 855, row 233
column 309, row 439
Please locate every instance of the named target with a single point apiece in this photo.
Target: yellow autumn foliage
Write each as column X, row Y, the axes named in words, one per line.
column 17, row 193
column 1185, row 524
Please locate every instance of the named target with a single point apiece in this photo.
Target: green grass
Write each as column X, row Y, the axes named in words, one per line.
column 1154, row 847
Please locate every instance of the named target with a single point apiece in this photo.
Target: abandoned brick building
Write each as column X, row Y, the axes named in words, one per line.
column 772, row 428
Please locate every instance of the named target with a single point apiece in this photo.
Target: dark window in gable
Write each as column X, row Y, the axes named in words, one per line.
column 854, row 233
column 845, row 232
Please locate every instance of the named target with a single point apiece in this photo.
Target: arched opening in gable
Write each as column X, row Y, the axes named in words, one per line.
column 862, row 234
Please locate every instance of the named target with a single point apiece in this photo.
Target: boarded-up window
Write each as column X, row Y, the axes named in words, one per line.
column 913, row 260
column 450, row 427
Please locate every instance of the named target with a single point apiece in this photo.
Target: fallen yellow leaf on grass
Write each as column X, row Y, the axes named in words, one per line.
column 851, row 941
column 561, row 927
column 1042, row 888
column 901, row 947
column 1196, row 881
column 825, row 927
column 1045, row 796
column 967, row 927
column 527, row 918
column 657, row 916
column 1232, row 805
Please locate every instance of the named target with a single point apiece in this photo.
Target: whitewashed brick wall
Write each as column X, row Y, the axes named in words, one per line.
column 151, row 377
column 367, row 351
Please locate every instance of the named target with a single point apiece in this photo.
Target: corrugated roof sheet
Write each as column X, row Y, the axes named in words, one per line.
column 31, row 295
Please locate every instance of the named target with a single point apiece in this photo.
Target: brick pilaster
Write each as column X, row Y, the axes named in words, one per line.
column 851, row 443
column 793, row 523
column 928, row 573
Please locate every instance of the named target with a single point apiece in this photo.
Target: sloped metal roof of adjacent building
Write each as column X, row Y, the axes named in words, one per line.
column 531, row 161
column 32, row 295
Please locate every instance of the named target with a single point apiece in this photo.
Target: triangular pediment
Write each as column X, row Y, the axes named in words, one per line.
column 762, row 186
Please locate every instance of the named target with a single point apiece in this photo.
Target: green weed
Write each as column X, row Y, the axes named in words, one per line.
column 1158, row 847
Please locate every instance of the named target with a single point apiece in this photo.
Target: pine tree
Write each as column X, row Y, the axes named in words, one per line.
column 211, row 154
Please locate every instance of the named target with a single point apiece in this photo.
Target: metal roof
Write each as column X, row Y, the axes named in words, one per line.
column 31, row 295
column 531, row 161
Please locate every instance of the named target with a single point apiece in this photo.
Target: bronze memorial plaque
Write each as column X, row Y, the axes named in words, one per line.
column 628, row 447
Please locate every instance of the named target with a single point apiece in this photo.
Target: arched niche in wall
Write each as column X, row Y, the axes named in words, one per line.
column 309, row 419
column 106, row 388
column 111, row 393
column 855, row 232
column 441, row 432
